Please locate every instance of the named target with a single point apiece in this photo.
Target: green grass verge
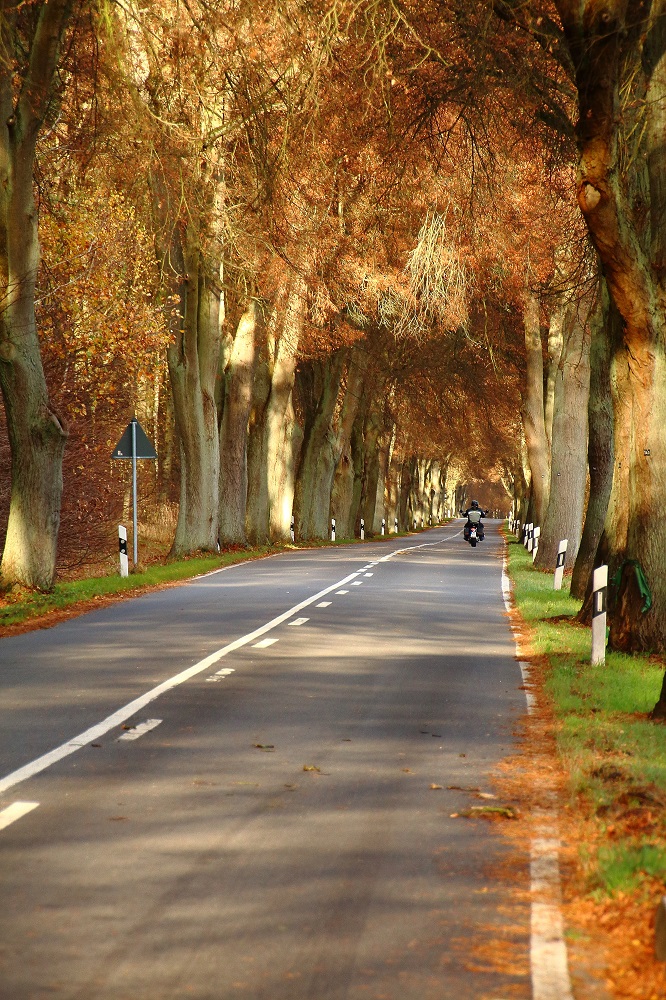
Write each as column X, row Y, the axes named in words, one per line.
column 24, row 605
column 614, row 755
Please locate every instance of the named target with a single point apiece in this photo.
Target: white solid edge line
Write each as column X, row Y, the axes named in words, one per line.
column 15, row 811
column 548, row 951
column 127, row 711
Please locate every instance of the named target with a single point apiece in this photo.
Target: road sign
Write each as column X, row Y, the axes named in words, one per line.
column 134, row 444
column 144, row 448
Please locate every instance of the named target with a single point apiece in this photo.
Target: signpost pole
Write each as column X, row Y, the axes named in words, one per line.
column 135, row 545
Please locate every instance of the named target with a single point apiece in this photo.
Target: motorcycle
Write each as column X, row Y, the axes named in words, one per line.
column 472, row 533
column 473, row 539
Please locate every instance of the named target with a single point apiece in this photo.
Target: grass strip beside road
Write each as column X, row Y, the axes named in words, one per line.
column 613, row 754
column 23, row 606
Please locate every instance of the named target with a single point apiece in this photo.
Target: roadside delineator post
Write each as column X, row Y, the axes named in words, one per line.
column 383, row 526
column 122, row 548
column 362, row 529
column 332, row 529
column 395, row 525
column 529, row 541
column 535, row 542
column 559, row 565
column 291, row 530
column 599, row 592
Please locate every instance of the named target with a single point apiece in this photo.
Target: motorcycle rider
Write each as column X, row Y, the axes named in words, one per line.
column 474, row 515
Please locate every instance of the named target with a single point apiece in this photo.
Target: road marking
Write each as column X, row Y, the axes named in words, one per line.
column 299, row 621
column 548, row 950
column 324, row 604
column 221, row 674
column 342, row 591
column 368, row 574
column 357, row 583
column 15, row 811
column 127, row 711
column 143, row 727
column 263, row 643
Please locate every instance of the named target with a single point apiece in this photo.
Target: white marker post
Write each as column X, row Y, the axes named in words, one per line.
column 535, row 542
column 122, row 548
column 291, row 530
column 332, row 529
column 599, row 592
column 530, row 539
column 559, row 565
column 362, row 529
column 395, row 525
column 383, row 526
column 528, row 535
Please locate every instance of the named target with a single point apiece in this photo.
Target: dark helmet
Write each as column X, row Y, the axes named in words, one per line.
column 475, row 503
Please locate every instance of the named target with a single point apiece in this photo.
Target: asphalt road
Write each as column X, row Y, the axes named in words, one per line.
column 276, row 834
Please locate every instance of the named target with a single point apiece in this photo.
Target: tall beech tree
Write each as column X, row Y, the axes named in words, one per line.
column 31, row 37
column 618, row 50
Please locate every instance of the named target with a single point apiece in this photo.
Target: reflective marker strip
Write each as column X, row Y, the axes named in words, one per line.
column 143, row 727
column 15, row 811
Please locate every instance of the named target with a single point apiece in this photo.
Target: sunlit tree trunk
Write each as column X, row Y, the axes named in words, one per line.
column 37, row 434
column 275, row 436
column 564, row 513
column 234, row 429
column 632, row 246
column 605, row 330
column 193, row 362
column 533, row 408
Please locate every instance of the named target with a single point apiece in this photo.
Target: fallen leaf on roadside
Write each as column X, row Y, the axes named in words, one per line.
column 434, row 787
column 490, row 812
column 485, row 795
column 463, row 788
column 311, row 767
column 264, row 746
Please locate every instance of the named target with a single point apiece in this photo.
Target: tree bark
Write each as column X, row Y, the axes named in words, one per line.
column 564, row 514
column 533, row 408
column 342, row 493
column 600, row 440
column 234, row 429
column 193, row 362
column 37, row 434
column 314, row 481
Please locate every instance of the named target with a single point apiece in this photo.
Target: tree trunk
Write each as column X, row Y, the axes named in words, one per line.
column 37, row 434
column 193, row 361
column 533, row 408
column 275, row 436
column 564, row 514
column 600, row 440
column 342, row 493
column 632, row 246
column 234, row 429
column 314, row 480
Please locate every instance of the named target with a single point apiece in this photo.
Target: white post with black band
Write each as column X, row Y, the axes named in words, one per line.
column 559, row 565
column 291, row 530
column 332, row 529
column 122, row 548
column 383, row 526
column 599, row 592
column 362, row 529
column 535, row 542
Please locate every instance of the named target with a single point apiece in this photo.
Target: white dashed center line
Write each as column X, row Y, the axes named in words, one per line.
column 15, row 811
column 368, row 574
column 263, row 643
column 342, row 591
column 299, row 621
column 357, row 583
column 323, row 604
column 143, row 727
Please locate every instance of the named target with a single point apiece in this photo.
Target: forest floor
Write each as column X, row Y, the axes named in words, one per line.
column 609, row 758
